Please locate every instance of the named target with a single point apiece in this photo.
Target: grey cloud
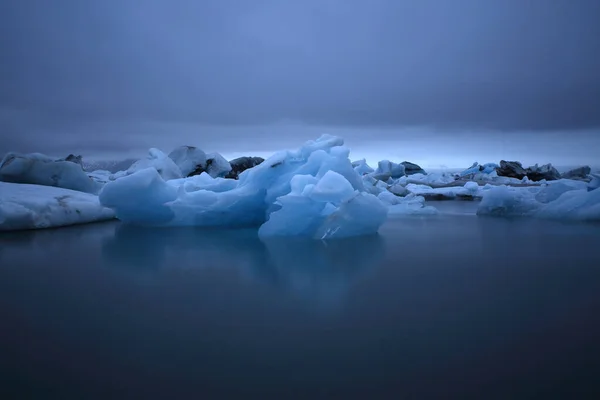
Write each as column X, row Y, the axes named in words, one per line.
column 90, row 71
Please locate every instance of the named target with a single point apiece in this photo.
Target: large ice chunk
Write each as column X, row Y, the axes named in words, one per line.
column 39, row 169
column 578, row 205
column 508, row 202
column 595, row 182
column 158, row 160
column 217, row 166
column 325, row 209
column 408, row 205
column 387, row 169
column 141, row 197
column 24, row 206
column 315, row 182
column 362, row 168
column 554, row 201
column 188, row 158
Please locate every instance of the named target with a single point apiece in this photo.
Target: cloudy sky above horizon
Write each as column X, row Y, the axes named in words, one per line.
column 436, row 82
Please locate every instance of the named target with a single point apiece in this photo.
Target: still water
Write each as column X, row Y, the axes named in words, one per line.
column 451, row 306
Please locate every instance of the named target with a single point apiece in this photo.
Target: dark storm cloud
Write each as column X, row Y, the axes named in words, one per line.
column 91, row 70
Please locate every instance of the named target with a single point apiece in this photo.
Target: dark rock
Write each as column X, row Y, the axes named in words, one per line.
column 241, row 164
column 580, row 173
column 75, row 159
column 201, row 168
column 437, row 196
column 511, row 169
column 411, row 168
column 545, row 172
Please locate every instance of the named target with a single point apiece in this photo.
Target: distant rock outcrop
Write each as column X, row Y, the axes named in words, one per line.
column 216, row 166
column 581, row 173
column 241, row 164
column 511, row 169
column 75, row 159
column 412, row 168
column 545, row 172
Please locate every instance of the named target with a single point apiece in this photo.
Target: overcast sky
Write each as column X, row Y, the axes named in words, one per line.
column 439, row 82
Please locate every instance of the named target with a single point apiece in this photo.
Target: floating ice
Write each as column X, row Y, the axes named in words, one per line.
column 556, row 201
column 39, row 169
column 324, row 208
column 361, row 167
column 471, row 188
column 24, row 206
column 432, row 178
column 508, row 202
column 387, row 169
column 477, row 169
column 408, row 205
column 595, row 182
column 578, row 205
column 217, row 166
column 310, row 192
column 158, row 160
column 188, row 158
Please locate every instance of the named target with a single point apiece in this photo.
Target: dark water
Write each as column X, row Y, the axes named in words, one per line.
column 452, row 306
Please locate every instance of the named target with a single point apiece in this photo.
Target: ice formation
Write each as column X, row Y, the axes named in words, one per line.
column 312, row 192
column 362, row 168
column 388, row 170
column 324, row 208
column 24, row 206
column 158, row 160
column 566, row 200
column 217, row 166
column 408, row 205
column 39, row 169
column 187, row 158
column 477, row 169
column 595, row 182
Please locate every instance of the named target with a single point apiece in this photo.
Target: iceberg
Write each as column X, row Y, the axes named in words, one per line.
column 408, row 205
column 313, row 192
column 503, row 201
column 595, row 182
column 388, row 170
column 25, row 206
column 576, row 205
column 555, row 201
column 188, row 158
column 158, row 160
column 362, row 168
column 38, row 169
column 217, row 166
column 324, row 208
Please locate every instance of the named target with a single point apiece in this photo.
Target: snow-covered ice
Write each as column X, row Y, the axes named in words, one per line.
column 39, row 169
column 217, row 165
column 188, row 158
column 315, row 187
column 25, row 206
column 158, row 160
column 408, row 205
column 567, row 200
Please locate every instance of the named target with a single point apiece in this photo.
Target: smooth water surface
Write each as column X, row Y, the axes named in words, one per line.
column 452, row 306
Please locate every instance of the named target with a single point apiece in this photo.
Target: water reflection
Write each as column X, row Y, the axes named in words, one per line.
column 315, row 270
